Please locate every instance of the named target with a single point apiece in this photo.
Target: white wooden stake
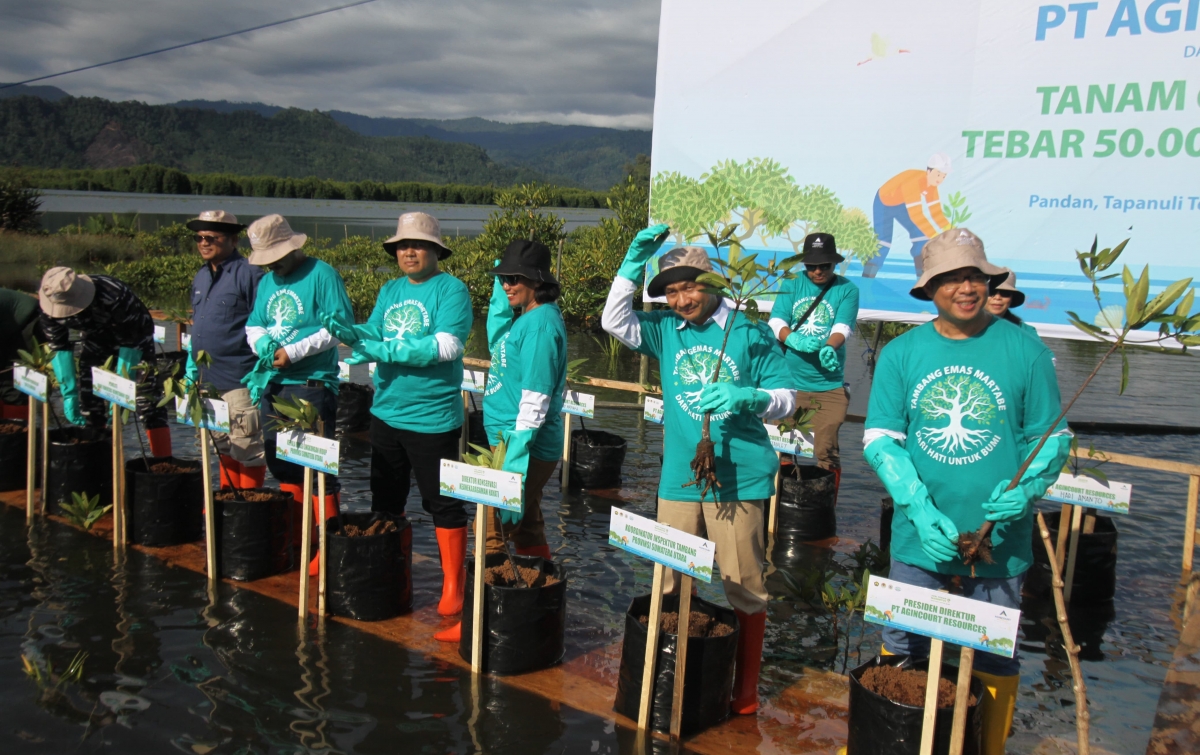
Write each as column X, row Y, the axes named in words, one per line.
column 118, row 481
column 305, row 541
column 45, row 452
column 477, row 607
column 30, row 459
column 958, row 733
column 210, row 514
column 929, row 723
column 566, row 455
column 681, row 646
column 1072, row 552
column 655, row 619
column 321, row 573
column 773, row 512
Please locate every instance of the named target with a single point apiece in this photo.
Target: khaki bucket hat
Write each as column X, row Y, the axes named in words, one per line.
column 953, row 250
column 1010, row 285
column 417, row 226
column 65, row 293
column 685, row 263
column 272, row 239
column 217, row 220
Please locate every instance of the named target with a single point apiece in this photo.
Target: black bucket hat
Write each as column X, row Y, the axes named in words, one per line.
column 820, row 249
column 530, row 259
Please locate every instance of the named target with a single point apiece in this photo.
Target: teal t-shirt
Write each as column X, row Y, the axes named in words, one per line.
column 289, row 309
column 687, row 355
column 971, row 411
column 421, row 399
column 530, row 356
column 839, row 307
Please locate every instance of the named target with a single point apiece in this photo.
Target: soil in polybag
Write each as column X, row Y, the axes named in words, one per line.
column 700, row 624
column 503, row 576
column 1095, row 579
column 166, row 504
column 254, row 533
column 596, row 459
column 807, row 504
column 880, row 726
column 524, row 628
column 708, row 685
column 907, row 686
column 369, row 566
column 80, row 462
column 354, row 407
column 14, row 446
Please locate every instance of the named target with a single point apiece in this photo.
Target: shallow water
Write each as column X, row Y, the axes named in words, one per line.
column 164, row 671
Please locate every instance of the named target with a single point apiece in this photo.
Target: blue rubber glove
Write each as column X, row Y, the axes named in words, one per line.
column 256, row 381
column 938, row 535
column 803, row 344
column 347, row 332
column 727, row 397
column 1016, row 504
column 63, row 363
column 829, row 358
column 265, row 348
column 411, row 352
column 641, row 249
column 127, row 359
column 516, row 459
column 500, row 314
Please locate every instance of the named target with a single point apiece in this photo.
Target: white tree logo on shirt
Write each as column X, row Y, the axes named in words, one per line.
column 819, row 322
column 693, row 370
column 969, row 402
column 499, row 364
column 408, row 317
column 284, row 308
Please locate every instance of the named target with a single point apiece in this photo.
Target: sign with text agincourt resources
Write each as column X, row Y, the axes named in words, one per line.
column 952, row 618
column 114, row 388
column 794, row 442
column 31, row 382
column 653, row 412
column 579, row 404
column 308, row 450
column 661, row 544
column 490, row 487
column 474, row 381
column 216, row 414
column 1086, row 491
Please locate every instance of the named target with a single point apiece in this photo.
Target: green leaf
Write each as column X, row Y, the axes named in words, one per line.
column 1165, row 298
column 1124, row 372
column 1095, row 473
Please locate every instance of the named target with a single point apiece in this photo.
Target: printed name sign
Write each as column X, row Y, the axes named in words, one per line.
column 579, row 404
column 216, row 414
column 490, row 487
column 343, row 372
column 654, row 410
column 160, row 333
column 951, row 618
column 370, row 369
column 31, row 382
column 308, row 450
column 794, row 442
column 1091, row 493
column 474, row 381
column 114, row 388
column 185, row 341
column 661, row 544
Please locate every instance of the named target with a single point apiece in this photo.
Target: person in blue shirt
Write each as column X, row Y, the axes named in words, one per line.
column 222, row 296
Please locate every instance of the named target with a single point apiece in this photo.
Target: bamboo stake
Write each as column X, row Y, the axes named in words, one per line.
column 773, row 511
column 1082, row 716
column 464, row 438
column 1189, row 526
column 324, row 539
column 45, row 451
column 305, row 541
column 681, row 647
column 477, row 607
column 934, row 676
column 1072, row 551
column 651, row 649
column 118, row 498
column 210, row 514
column 566, row 454
column 958, row 733
column 30, row 458
column 1064, row 531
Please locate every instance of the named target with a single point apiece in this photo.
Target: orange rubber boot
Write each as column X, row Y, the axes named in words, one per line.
column 231, row 472
column 160, row 441
column 253, row 477
column 452, row 547
column 749, row 660
column 837, row 483
column 331, row 510
column 450, row 634
column 536, row 550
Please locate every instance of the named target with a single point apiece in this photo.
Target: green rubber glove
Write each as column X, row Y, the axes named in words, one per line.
column 191, row 371
column 265, row 348
column 127, row 359
column 803, row 344
column 641, row 249
column 500, row 314
column 938, row 535
column 829, row 358
column 411, row 352
column 256, row 381
column 63, row 363
column 347, row 332
column 727, row 397
column 516, row 459
column 1016, row 504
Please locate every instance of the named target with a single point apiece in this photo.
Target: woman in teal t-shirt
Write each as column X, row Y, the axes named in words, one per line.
column 1005, row 298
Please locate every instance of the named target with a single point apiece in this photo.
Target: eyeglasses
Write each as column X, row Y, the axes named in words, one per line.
column 822, row 266
column 509, row 280
column 214, row 240
column 954, row 280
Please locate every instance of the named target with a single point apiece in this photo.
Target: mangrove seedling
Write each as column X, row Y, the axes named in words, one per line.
column 1138, row 313
column 38, row 358
column 575, row 374
column 489, row 459
column 191, row 393
column 295, row 415
column 84, row 511
column 50, row 683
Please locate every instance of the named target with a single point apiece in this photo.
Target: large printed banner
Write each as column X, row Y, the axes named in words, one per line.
column 1038, row 126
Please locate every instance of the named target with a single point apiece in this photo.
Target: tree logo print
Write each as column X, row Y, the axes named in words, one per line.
column 409, row 317
column 818, row 323
column 694, row 369
column 499, row 362
column 284, row 310
column 968, row 406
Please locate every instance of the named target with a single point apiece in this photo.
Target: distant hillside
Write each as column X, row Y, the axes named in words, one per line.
column 53, row 94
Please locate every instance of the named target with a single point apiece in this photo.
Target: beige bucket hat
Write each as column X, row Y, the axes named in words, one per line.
column 953, row 250
column 683, row 263
column 217, row 220
column 418, row 226
column 1010, row 285
column 272, row 239
column 65, row 293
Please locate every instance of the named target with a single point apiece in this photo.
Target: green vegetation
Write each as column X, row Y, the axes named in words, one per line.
column 84, row 511
column 19, row 205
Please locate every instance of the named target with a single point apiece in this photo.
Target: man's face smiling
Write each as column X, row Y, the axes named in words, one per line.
column 688, row 300
column 960, row 295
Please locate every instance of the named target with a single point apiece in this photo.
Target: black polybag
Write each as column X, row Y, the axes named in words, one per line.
column 14, row 448
column 254, row 538
column 1095, row 579
column 369, row 578
column 524, row 629
column 879, row 726
column 354, row 407
column 806, row 507
column 596, row 459
column 82, row 467
column 708, row 684
column 164, row 509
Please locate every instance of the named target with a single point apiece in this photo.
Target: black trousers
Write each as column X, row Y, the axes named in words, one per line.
column 397, row 455
column 326, row 402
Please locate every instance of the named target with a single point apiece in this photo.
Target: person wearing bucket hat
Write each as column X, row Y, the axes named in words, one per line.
column 754, row 385
column 815, row 349
column 112, row 322
column 297, row 355
column 903, row 199
column 1005, row 298
column 415, row 335
column 522, row 403
column 956, row 407
column 223, row 294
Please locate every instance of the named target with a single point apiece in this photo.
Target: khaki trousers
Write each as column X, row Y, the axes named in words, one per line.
column 244, row 443
column 830, row 416
column 531, row 530
column 736, row 527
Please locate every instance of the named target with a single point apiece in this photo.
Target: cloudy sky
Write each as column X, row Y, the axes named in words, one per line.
column 567, row 61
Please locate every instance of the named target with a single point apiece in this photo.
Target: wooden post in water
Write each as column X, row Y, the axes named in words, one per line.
column 306, row 512
column 681, row 646
column 477, row 606
column 1189, row 527
column 324, row 539
column 210, row 513
column 652, row 628
column 773, row 512
column 118, row 480
column 1072, row 552
column 30, row 458
column 929, row 722
column 1064, row 531
column 958, row 733
column 566, row 454
column 45, row 450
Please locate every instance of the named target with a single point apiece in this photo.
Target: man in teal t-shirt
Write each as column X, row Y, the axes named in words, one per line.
column 416, row 335
column 752, row 385
column 297, row 356
column 816, row 348
column 956, row 407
